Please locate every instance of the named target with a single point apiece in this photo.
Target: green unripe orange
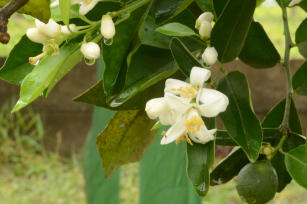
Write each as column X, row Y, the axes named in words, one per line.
column 257, row 182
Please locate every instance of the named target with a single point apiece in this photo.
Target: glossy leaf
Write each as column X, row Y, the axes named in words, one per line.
column 283, row 176
column 229, row 167
column 205, row 5
column 296, row 163
column 245, row 130
column 301, row 38
column 17, row 64
column 219, row 6
column 65, row 10
column 183, row 57
column 45, row 72
column 166, row 9
column 303, row 5
column 175, row 29
column 230, row 31
column 200, row 158
column 125, row 139
column 115, row 55
column 73, row 12
column 258, row 50
column 37, row 9
column 299, row 80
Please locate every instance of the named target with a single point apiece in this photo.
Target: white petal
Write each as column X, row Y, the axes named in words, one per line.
column 203, row 136
column 210, row 55
column 178, row 104
column 294, row 2
column 90, row 50
column 213, row 102
column 36, row 36
column 169, row 118
column 172, row 86
column 86, row 7
column 155, row 107
column 205, row 30
column 51, row 29
column 107, row 27
column 175, row 131
column 66, row 31
column 54, row 4
column 199, row 75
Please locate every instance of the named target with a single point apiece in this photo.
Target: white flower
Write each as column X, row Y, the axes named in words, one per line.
column 204, row 17
column 188, row 102
column 107, row 27
column 294, row 3
column 85, row 5
column 210, row 55
column 66, row 31
column 90, row 50
column 36, row 36
column 51, row 29
column 205, row 30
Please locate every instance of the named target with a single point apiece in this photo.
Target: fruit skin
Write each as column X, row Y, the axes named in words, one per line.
column 257, row 182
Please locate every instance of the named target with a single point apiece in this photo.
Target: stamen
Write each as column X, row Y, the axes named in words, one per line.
column 188, row 140
column 182, row 138
column 193, row 124
column 89, row 1
column 163, row 133
column 188, row 92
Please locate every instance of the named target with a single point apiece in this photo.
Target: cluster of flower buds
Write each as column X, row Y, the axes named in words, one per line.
column 203, row 24
column 85, row 5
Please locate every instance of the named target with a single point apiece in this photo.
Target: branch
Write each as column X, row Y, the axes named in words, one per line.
column 5, row 13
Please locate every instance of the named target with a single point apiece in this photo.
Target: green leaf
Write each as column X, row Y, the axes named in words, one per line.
column 37, row 9
column 175, row 29
column 245, row 130
column 303, row 5
column 17, row 64
column 45, row 72
column 205, row 5
column 301, row 38
column 296, row 163
column 299, row 80
column 258, row 50
column 230, row 31
column 125, row 139
column 283, row 3
column 229, row 167
column 115, row 55
column 166, row 9
column 219, row 6
column 183, row 57
column 273, row 120
column 65, row 10
column 200, row 158
column 73, row 13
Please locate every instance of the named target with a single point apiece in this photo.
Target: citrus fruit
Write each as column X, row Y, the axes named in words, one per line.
column 257, row 182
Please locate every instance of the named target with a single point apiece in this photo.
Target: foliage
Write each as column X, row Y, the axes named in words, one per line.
column 143, row 43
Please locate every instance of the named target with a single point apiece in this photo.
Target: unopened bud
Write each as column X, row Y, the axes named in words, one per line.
column 155, row 107
column 36, row 36
column 205, row 30
column 51, row 29
column 206, row 16
column 210, row 55
column 107, row 27
column 90, row 50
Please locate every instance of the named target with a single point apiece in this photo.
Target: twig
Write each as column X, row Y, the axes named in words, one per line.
column 5, row 14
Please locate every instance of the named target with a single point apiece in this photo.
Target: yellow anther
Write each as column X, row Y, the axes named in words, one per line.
column 89, row 1
column 163, row 133
column 182, row 138
column 193, row 124
column 188, row 92
column 188, row 140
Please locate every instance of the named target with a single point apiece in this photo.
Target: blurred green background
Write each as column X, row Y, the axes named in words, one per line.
column 29, row 174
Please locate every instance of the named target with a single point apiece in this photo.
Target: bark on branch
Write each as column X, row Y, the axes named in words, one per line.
column 5, row 13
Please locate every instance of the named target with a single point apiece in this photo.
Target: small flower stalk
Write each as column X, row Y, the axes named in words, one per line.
column 203, row 24
column 183, row 106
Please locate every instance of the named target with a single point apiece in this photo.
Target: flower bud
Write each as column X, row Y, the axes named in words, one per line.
column 210, row 55
column 90, row 50
column 107, row 27
column 66, row 31
column 51, row 29
column 206, row 16
column 205, row 30
column 36, row 36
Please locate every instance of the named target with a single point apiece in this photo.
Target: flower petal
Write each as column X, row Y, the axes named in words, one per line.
column 155, row 107
column 172, row 86
column 199, row 75
column 213, row 102
column 169, row 117
column 176, row 103
column 86, row 7
column 203, row 136
column 174, row 132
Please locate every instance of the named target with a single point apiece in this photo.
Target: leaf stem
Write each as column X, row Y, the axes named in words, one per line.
column 129, row 8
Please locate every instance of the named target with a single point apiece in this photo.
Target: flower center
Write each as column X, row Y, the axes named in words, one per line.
column 193, row 124
column 187, row 92
column 89, row 1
